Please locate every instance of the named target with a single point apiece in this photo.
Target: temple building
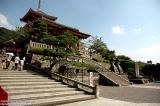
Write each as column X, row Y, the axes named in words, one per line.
column 54, row 28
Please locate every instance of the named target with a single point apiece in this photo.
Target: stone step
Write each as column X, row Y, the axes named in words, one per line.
column 55, row 101
column 44, row 95
column 29, row 83
column 34, row 77
column 25, row 80
column 24, row 73
column 38, row 90
column 33, row 87
column 17, row 72
column 20, row 74
column 28, row 87
column 16, row 75
column 13, row 71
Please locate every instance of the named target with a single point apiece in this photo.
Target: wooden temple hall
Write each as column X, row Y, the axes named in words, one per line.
column 54, row 28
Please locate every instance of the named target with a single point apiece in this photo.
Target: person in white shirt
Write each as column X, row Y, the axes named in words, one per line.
column 16, row 60
column 24, row 58
column 8, row 59
column 21, row 64
column 3, row 62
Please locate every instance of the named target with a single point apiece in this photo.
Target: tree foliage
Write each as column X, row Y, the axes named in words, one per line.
column 128, row 67
column 98, row 46
column 151, row 71
column 50, row 40
column 123, row 58
column 67, row 38
column 38, row 33
column 22, row 36
column 127, row 64
column 39, row 30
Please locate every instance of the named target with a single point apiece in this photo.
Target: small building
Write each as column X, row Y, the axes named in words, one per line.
column 9, row 46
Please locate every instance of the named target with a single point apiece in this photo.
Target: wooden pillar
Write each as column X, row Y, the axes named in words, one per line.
column 78, row 45
column 16, row 51
column 67, row 46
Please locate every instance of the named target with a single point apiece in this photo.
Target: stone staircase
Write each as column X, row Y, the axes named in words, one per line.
column 29, row 88
column 108, row 77
column 112, row 78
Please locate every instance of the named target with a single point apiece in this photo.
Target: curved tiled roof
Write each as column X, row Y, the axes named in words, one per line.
column 38, row 13
column 51, row 21
column 67, row 28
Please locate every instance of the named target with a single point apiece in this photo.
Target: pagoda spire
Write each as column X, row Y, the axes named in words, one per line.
column 39, row 5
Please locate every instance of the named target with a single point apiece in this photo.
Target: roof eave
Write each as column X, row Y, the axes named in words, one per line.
column 32, row 11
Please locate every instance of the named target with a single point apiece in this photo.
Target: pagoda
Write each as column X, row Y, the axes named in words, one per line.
column 54, row 28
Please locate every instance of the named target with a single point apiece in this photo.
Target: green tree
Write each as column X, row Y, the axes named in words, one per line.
column 109, row 55
column 97, row 45
column 22, row 36
column 123, row 58
column 67, row 38
column 100, row 47
column 128, row 67
column 38, row 33
column 127, row 64
column 39, row 30
column 50, row 40
column 151, row 71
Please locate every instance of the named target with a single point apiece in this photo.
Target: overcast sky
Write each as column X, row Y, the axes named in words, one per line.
column 130, row 27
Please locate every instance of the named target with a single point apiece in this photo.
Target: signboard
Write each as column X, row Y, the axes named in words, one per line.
column 136, row 68
column 91, row 78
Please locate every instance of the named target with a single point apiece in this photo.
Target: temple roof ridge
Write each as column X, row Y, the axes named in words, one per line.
column 39, row 13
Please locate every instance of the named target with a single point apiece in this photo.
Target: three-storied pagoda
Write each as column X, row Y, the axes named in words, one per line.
column 54, row 28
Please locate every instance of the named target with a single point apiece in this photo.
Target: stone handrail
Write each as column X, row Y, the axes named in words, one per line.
column 95, row 89
column 108, row 78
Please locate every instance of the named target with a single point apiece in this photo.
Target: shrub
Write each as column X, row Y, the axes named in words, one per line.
column 41, row 51
column 78, row 64
column 98, row 59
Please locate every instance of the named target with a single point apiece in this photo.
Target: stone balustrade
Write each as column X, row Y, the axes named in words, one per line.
column 40, row 45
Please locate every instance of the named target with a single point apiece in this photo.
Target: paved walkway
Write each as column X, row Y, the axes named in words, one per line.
column 134, row 95
column 108, row 102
